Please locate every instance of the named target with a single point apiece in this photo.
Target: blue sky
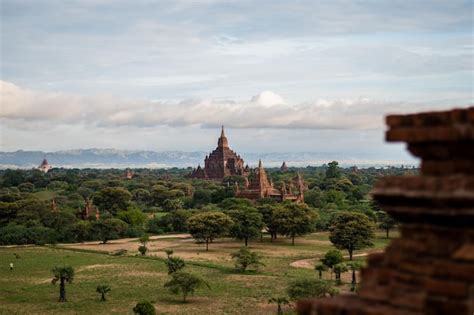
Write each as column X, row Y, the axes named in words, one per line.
column 281, row 75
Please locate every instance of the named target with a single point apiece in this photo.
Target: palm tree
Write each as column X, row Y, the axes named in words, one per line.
column 338, row 269
column 354, row 265
column 103, row 289
column 320, row 268
column 62, row 274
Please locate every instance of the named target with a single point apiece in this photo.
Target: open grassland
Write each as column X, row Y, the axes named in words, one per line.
column 28, row 289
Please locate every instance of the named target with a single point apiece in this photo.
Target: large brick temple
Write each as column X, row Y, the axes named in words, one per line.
column 221, row 162
column 224, row 162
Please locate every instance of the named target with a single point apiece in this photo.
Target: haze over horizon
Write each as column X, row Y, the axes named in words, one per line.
column 282, row 77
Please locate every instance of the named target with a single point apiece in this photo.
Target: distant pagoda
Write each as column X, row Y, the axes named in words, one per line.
column 221, row 162
column 44, row 166
column 284, row 167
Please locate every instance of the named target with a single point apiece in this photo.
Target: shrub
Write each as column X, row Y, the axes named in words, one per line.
column 144, row 308
column 309, row 288
column 244, row 258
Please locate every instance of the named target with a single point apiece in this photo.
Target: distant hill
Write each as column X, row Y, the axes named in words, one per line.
column 111, row 158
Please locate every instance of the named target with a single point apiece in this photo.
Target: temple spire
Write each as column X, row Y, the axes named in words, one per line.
column 223, row 139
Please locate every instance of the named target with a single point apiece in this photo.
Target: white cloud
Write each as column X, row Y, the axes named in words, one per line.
column 266, row 110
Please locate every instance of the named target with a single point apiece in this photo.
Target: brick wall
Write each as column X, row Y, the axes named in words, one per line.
column 429, row 269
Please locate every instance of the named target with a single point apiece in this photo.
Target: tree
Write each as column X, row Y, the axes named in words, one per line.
column 247, row 224
column 184, row 283
column 338, row 269
column 295, row 219
column 320, row 268
column 309, row 288
column 244, row 258
column 113, row 199
column 64, row 275
column 172, row 205
column 268, row 211
column 144, row 239
column 108, row 229
column 333, row 170
column 207, row 226
column 279, row 301
column 132, row 216
column 385, row 221
column 332, row 258
column 174, row 264
column 144, row 308
column 103, row 289
column 351, row 231
column 354, row 266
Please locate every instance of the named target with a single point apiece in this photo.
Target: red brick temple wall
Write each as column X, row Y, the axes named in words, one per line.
column 429, row 269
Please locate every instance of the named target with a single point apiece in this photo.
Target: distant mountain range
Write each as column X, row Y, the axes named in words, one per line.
column 111, row 158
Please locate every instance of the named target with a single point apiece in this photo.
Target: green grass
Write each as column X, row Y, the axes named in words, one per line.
column 28, row 289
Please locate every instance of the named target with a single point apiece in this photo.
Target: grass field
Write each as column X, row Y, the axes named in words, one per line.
column 28, row 289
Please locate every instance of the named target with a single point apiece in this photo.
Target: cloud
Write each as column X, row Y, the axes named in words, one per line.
column 266, row 110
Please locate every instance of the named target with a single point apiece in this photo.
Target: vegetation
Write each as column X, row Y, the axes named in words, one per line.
column 338, row 269
column 309, row 288
column 207, row 226
column 244, row 258
column 354, row 266
column 166, row 202
column 64, row 275
column 279, row 301
column 103, row 289
column 184, row 283
column 351, row 231
column 332, row 258
column 144, row 308
column 174, row 264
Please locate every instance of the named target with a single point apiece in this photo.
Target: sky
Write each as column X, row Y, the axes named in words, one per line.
column 282, row 76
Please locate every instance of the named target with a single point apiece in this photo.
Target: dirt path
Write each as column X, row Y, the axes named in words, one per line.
column 309, row 263
column 127, row 240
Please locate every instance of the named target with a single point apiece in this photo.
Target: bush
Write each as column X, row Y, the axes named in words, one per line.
column 309, row 288
column 142, row 249
column 174, row 264
column 244, row 258
column 144, row 308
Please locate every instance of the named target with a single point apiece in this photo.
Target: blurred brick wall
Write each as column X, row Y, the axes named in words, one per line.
column 429, row 269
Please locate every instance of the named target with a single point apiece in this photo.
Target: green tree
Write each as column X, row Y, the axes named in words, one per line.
column 354, row 266
column 333, row 170
column 144, row 308
column 247, row 224
column 108, row 229
column 174, row 264
column 338, row 269
column 207, row 226
column 385, row 222
column 320, row 268
column 309, row 288
column 184, row 283
column 268, row 217
column 113, row 199
column 132, row 216
column 64, row 275
column 331, row 258
column 172, row 205
column 279, row 301
column 295, row 219
column 351, row 231
column 244, row 258
column 103, row 289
